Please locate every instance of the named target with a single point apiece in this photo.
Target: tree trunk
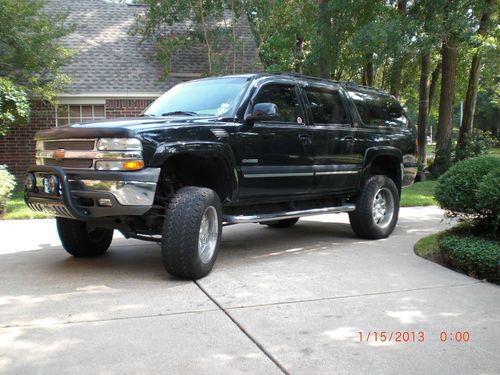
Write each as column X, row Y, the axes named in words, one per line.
column 204, row 27
column 434, row 80
column 233, row 32
column 423, row 106
column 396, row 74
column 446, row 99
column 298, row 53
column 397, row 67
column 324, row 25
column 471, row 95
column 368, row 71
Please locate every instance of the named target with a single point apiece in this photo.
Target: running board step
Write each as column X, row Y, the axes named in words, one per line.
column 240, row 219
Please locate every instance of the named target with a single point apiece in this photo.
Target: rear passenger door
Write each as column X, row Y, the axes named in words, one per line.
column 337, row 166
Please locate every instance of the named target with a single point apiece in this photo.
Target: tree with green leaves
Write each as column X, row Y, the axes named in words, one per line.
column 466, row 126
column 14, row 105
column 30, row 56
column 201, row 20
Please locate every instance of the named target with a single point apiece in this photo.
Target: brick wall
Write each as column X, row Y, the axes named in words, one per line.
column 17, row 149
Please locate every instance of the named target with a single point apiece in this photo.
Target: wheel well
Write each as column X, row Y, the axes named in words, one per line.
column 199, row 170
column 388, row 166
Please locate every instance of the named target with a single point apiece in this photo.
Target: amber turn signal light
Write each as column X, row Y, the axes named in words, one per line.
column 133, row 165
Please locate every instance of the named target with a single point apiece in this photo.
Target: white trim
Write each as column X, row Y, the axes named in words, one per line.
column 110, row 95
column 81, row 100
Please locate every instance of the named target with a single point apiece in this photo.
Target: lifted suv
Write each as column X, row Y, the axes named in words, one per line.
column 261, row 148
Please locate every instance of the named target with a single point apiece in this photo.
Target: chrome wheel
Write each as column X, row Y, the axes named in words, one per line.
column 209, row 232
column 383, row 207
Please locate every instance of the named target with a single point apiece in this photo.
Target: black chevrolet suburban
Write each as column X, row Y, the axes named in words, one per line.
column 259, row 148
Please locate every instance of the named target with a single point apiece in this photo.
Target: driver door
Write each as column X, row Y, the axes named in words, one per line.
column 275, row 157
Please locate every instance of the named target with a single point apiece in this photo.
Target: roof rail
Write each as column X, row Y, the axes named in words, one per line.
column 298, row 75
column 351, row 83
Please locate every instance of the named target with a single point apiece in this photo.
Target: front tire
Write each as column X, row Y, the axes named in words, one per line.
column 192, row 231
column 80, row 241
column 377, row 208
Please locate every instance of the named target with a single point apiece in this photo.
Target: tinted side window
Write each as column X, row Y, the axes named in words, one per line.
column 326, row 106
column 376, row 109
column 285, row 98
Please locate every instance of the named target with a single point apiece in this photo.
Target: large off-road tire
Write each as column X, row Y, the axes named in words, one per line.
column 377, row 208
column 283, row 223
column 81, row 241
column 192, row 231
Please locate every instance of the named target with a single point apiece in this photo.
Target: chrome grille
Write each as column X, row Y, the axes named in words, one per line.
column 77, row 147
column 71, row 144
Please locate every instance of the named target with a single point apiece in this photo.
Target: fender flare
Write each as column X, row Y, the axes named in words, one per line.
column 377, row 151
column 201, row 148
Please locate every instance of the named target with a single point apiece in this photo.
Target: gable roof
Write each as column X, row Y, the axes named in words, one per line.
column 107, row 59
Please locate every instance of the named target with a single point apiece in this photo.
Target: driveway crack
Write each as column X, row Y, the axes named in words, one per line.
column 244, row 331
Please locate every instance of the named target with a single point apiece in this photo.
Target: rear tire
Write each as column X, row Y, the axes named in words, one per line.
column 192, row 231
column 377, row 208
column 78, row 240
column 284, row 223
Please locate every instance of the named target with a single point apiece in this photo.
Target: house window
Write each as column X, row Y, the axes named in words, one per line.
column 74, row 113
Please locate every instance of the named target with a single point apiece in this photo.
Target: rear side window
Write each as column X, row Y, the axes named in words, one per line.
column 376, row 109
column 326, row 106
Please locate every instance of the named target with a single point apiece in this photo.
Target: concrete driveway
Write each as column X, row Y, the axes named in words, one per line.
column 278, row 301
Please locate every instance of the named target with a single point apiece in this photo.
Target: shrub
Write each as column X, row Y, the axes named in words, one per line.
column 7, row 184
column 488, row 196
column 457, row 189
column 476, row 144
column 474, row 256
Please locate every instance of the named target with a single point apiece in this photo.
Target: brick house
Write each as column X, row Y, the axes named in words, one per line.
column 113, row 74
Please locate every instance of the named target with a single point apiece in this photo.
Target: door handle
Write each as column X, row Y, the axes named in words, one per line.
column 348, row 139
column 305, row 139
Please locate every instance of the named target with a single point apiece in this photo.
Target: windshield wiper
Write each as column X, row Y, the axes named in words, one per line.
column 180, row 113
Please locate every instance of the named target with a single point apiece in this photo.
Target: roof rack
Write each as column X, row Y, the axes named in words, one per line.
column 351, row 83
column 318, row 79
column 298, row 75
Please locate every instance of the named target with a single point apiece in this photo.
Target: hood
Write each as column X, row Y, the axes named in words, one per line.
column 121, row 127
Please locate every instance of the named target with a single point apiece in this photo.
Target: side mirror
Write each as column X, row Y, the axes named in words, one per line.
column 263, row 112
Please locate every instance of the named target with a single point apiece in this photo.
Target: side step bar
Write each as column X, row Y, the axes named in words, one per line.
column 240, row 219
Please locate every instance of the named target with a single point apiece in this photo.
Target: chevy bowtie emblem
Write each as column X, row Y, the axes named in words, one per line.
column 59, row 153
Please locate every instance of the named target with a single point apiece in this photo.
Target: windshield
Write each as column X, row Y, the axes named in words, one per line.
column 217, row 97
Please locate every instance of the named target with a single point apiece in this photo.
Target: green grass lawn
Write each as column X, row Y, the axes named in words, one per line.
column 17, row 209
column 419, row 194
column 428, row 247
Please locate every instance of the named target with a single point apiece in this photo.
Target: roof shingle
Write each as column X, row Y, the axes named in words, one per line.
column 107, row 59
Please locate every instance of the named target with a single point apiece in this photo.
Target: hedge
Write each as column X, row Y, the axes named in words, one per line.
column 474, row 256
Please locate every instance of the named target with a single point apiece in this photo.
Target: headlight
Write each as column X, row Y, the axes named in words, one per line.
column 123, row 165
column 119, row 144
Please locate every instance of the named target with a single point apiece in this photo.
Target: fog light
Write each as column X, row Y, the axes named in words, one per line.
column 105, row 202
column 54, row 185
column 30, row 182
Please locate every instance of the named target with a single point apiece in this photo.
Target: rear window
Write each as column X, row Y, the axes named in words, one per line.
column 376, row 109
